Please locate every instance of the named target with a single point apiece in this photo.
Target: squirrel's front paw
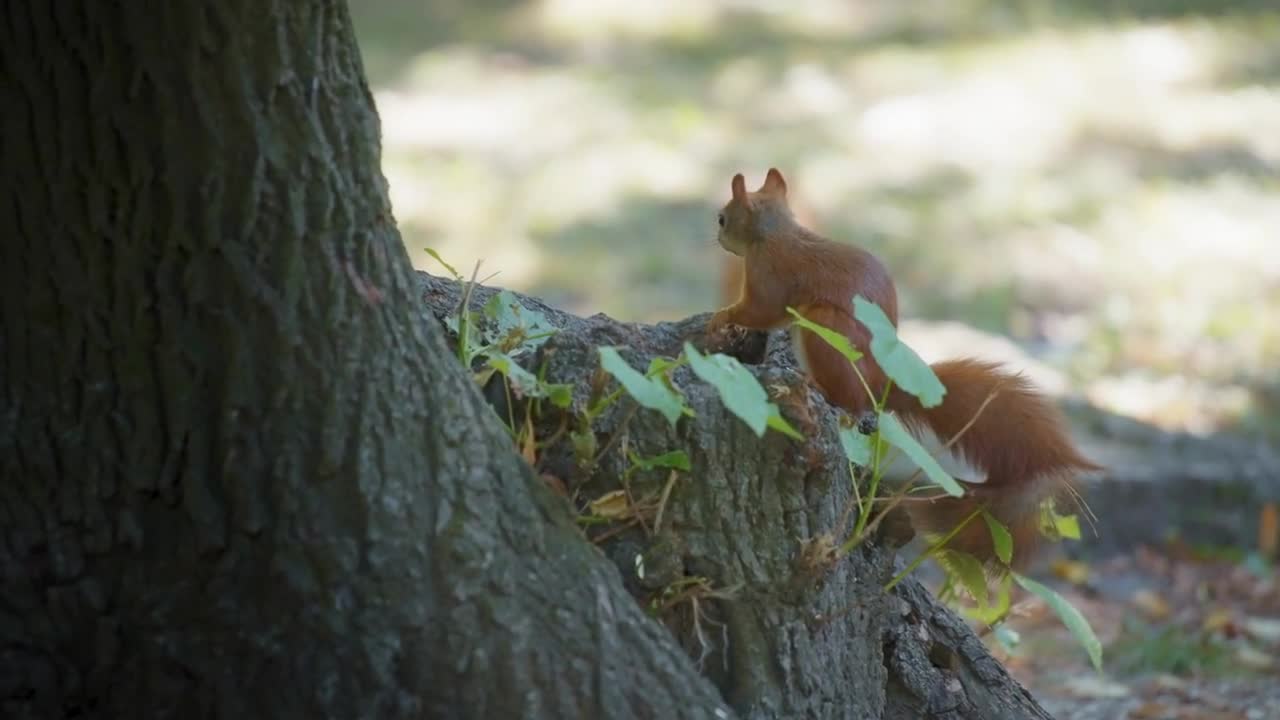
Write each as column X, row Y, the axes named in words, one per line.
column 717, row 323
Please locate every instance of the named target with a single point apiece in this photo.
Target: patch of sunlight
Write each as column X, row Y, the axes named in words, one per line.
column 591, row 182
column 459, row 102
column 823, row 18
column 738, row 82
column 1247, row 116
column 1173, row 402
column 595, row 21
column 1215, row 230
column 1017, row 105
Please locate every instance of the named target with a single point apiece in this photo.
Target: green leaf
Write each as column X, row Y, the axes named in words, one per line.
column 893, row 431
column 739, row 390
column 661, row 365
column 857, row 447
column 999, row 607
column 1058, row 526
column 454, row 323
column 584, row 446
column 832, row 338
column 1068, row 526
column 649, row 392
column 446, row 265
column 526, row 384
column 898, row 361
column 560, row 394
column 967, row 570
column 1070, row 616
column 779, row 423
column 523, row 382
column 676, row 459
column 513, row 327
column 1001, row 540
column 1004, row 596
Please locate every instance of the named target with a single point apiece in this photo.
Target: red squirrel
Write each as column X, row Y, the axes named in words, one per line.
column 1018, row 446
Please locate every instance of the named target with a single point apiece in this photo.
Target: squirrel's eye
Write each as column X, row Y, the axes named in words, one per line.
column 721, row 219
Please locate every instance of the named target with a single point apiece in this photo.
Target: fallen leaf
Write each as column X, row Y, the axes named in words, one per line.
column 612, row 505
column 1220, row 620
column 1151, row 604
column 1074, row 572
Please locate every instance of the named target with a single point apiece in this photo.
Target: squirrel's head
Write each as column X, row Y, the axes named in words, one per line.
column 751, row 217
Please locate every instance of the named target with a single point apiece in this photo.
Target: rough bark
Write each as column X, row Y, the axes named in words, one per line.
column 795, row 639
column 240, row 476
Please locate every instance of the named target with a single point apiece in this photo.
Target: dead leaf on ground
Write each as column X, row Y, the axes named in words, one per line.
column 1073, row 571
column 1151, row 604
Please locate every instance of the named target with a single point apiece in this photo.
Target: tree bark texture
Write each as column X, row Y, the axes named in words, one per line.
column 241, row 476
column 790, row 636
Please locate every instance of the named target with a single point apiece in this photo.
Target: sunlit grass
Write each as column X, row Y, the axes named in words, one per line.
column 1102, row 188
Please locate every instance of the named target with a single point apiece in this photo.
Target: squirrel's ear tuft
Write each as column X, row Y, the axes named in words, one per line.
column 739, row 187
column 774, row 184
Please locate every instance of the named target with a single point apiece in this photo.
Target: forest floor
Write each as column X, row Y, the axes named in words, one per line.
column 1187, row 636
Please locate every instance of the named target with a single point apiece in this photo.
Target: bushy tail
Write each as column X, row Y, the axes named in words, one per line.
column 1017, row 451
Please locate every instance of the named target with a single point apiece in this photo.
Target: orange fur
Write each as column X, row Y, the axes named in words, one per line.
column 1019, row 442
column 733, row 270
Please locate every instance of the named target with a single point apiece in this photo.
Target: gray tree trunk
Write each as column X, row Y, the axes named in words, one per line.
column 794, row 638
column 243, row 477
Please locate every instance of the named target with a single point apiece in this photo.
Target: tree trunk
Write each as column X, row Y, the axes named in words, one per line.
column 784, row 633
column 242, row 476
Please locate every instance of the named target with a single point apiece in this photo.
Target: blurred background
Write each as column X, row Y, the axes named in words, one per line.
column 1095, row 180
column 1086, row 187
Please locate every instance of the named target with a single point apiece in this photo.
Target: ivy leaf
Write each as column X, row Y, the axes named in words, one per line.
column 1000, row 607
column 832, row 338
column 898, row 361
column 857, row 447
column 560, row 394
column 1001, row 540
column 893, row 432
column 522, row 381
column 1070, row 616
column 779, row 423
column 652, row 393
column 584, row 447
column 456, row 325
column 676, row 459
column 514, row 327
column 739, row 390
column 968, row 570
column 661, row 365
